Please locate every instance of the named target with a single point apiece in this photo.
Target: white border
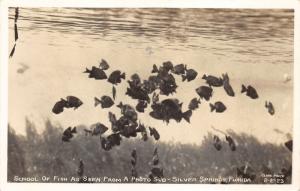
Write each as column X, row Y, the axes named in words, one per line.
column 4, row 4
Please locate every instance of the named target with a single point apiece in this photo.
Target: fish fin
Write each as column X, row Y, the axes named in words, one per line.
column 185, row 67
column 212, row 107
column 87, row 70
column 186, row 115
column 244, row 89
column 183, row 78
column 123, row 75
column 204, row 76
column 120, row 105
column 97, row 101
column 266, row 104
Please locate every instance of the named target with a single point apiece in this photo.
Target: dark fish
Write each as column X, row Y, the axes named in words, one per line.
column 213, row 81
column 217, row 143
column 103, row 65
column 167, row 84
column 140, row 107
column 270, row 107
column 128, row 111
column 179, row 69
column 190, row 75
column 154, row 69
column 99, row 129
column 154, row 133
column 73, row 102
column 246, row 172
column 16, row 32
column 59, row 106
column 204, row 92
column 250, row 91
column 138, row 93
column 96, row 73
column 135, row 81
column 12, row 51
column 218, row 106
column 231, row 143
column 111, row 141
column 105, row 101
column 114, row 92
column 227, row 87
column 289, row 145
column 68, row 134
column 115, row 77
column 194, row 104
column 169, row 109
column 167, row 66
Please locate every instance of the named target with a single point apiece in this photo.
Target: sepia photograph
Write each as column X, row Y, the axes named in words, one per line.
column 150, row 95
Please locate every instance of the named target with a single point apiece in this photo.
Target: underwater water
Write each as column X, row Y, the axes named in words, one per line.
column 254, row 46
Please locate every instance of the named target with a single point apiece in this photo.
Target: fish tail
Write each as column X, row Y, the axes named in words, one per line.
column 244, row 89
column 87, row 70
column 187, row 115
column 97, row 101
column 183, row 78
column 212, row 107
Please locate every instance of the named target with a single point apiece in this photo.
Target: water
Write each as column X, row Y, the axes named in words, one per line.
column 255, row 46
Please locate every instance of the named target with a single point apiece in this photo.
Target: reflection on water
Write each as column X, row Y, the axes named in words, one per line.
column 263, row 33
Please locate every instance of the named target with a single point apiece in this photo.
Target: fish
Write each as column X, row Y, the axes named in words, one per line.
column 167, row 66
column 169, row 109
column 231, row 142
column 105, row 101
column 114, row 92
column 103, row 65
column 138, row 93
column 73, row 102
column 213, row 81
column 59, row 106
column 179, row 69
column 110, row 141
column 289, row 145
column 98, row 129
column 250, row 91
column 16, row 32
column 12, row 51
column 135, row 81
column 154, row 133
column 190, row 75
column 217, row 143
column 167, row 84
column 140, row 107
column 270, row 107
column 227, row 87
column 218, row 106
column 128, row 111
column 154, row 69
column 205, row 92
column 115, row 77
column 194, row 104
column 96, row 73
column 68, row 134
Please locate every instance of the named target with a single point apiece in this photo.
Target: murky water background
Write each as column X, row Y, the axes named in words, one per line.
column 253, row 46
